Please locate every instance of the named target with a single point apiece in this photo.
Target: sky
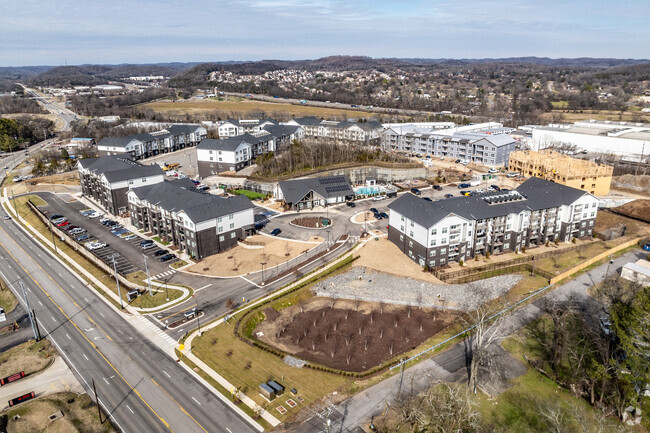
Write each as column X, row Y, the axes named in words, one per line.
column 73, row 32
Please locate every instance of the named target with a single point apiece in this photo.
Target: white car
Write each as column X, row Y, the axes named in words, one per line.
column 95, row 215
column 493, row 170
column 131, row 236
column 480, row 190
column 464, row 162
column 378, row 197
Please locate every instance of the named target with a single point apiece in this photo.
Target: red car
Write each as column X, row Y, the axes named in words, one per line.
column 63, row 223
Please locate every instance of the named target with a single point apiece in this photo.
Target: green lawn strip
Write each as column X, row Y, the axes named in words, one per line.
column 178, row 264
column 7, row 299
column 596, row 264
column 157, row 239
column 560, row 263
column 106, row 279
column 252, row 195
column 223, row 391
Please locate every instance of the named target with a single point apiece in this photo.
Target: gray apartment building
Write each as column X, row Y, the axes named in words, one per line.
column 198, row 223
column 538, row 211
column 107, row 179
column 342, row 132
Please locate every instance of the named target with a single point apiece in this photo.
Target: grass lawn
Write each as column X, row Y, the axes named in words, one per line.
column 107, row 279
column 178, row 264
column 560, row 104
column 79, row 415
column 252, row 195
column 247, row 367
column 7, row 299
column 157, row 239
column 30, row 357
column 237, row 107
column 558, row 264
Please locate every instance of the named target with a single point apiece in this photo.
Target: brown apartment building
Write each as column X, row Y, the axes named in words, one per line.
column 563, row 169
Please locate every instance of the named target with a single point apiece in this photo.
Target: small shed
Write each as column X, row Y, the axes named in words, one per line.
column 267, row 391
column 279, row 389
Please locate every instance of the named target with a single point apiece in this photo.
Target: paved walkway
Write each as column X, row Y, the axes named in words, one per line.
column 55, row 378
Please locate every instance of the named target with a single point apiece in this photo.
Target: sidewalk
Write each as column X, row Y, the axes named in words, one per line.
column 55, row 378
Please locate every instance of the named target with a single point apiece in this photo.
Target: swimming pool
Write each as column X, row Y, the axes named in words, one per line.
column 369, row 190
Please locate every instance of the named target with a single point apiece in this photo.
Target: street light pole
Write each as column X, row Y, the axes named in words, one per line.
column 29, row 311
column 148, row 276
column 166, row 288
column 262, row 263
column 117, row 282
column 52, row 231
column 328, row 240
column 197, row 312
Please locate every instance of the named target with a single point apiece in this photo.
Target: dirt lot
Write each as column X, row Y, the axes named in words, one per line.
column 240, row 260
column 384, row 256
column 635, row 209
column 640, row 184
column 237, row 108
column 349, row 335
column 80, row 415
column 63, row 182
column 606, row 220
column 358, row 218
column 29, row 357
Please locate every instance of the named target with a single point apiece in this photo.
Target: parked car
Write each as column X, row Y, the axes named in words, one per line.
column 495, row 187
column 7, row 217
column 351, row 204
column 124, row 235
column 160, row 253
column 63, row 223
column 415, row 191
column 69, row 227
column 259, row 226
column 373, row 210
column 493, row 170
column 58, row 220
column 426, row 198
column 167, row 257
column 437, row 187
column 130, row 237
column 512, row 174
column 148, row 246
column 146, row 241
column 384, row 215
column 82, row 238
column 95, row 215
column 449, row 195
column 276, row 232
column 464, row 192
column 108, row 222
column 56, row 217
column 464, row 185
column 379, row 197
column 458, row 161
column 479, row 190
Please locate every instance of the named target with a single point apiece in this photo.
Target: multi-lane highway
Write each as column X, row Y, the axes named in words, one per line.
column 142, row 389
column 66, row 116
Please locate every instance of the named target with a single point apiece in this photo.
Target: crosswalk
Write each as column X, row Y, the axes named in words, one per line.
column 159, row 332
column 164, row 275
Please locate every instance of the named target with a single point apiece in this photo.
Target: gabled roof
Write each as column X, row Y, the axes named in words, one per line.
column 115, row 141
column 116, row 168
column 281, row 130
column 231, row 144
column 176, row 196
column 327, row 187
column 183, row 129
column 307, row 121
column 534, row 194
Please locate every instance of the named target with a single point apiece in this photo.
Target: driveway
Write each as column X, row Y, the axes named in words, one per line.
column 452, row 364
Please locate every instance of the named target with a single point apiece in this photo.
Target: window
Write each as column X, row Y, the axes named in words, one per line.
column 444, row 241
column 220, row 229
column 444, row 230
column 144, row 179
column 591, row 223
column 219, row 219
column 506, row 246
column 232, row 226
column 232, row 235
column 443, row 250
column 402, row 228
column 432, row 253
column 507, row 236
column 508, row 227
column 411, row 234
column 410, row 243
column 231, row 216
column 401, row 238
column 433, row 242
column 433, row 232
column 593, row 214
column 412, row 225
column 402, row 217
column 442, row 261
column 593, row 204
column 432, row 263
column 221, row 238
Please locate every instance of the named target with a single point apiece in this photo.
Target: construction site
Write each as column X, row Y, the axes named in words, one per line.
column 557, row 167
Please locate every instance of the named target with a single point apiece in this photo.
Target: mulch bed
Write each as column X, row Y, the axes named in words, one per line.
column 314, row 338
column 309, row 222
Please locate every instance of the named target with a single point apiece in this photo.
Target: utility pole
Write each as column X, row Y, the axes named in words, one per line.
column 166, row 288
column 29, row 311
column 99, row 409
column 117, row 282
column 148, row 277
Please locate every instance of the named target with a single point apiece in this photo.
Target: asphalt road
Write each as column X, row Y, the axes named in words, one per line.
column 141, row 388
column 66, row 116
column 22, row 334
column 452, row 364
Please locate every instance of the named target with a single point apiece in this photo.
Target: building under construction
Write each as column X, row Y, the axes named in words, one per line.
column 563, row 169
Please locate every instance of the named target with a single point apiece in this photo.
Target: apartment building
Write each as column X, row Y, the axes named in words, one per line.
column 563, row 169
column 107, row 179
column 343, row 132
column 234, row 127
column 487, row 144
column 148, row 144
column 198, row 223
column 444, row 231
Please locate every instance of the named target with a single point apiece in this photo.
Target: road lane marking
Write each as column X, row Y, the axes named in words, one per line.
column 101, row 314
column 40, row 303
column 228, row 430
column 196, row 401
column 85, row 357
column 127, row 406
column 53, row 319
column 179, row 406
column 60, row 274
column 204, row 287
column 106, row 381
column 166, row 374
column 66, row 334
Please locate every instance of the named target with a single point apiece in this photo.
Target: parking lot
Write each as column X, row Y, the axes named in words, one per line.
column 128, row 255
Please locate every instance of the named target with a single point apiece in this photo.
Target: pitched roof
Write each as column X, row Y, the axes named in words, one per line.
column 327, row 187
column 307, row 121
column 534, row 194
column 115, row 141
column 182, row 129
column 117, row 167
column 176, row 196
column 281, row 130
column 230, row 144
